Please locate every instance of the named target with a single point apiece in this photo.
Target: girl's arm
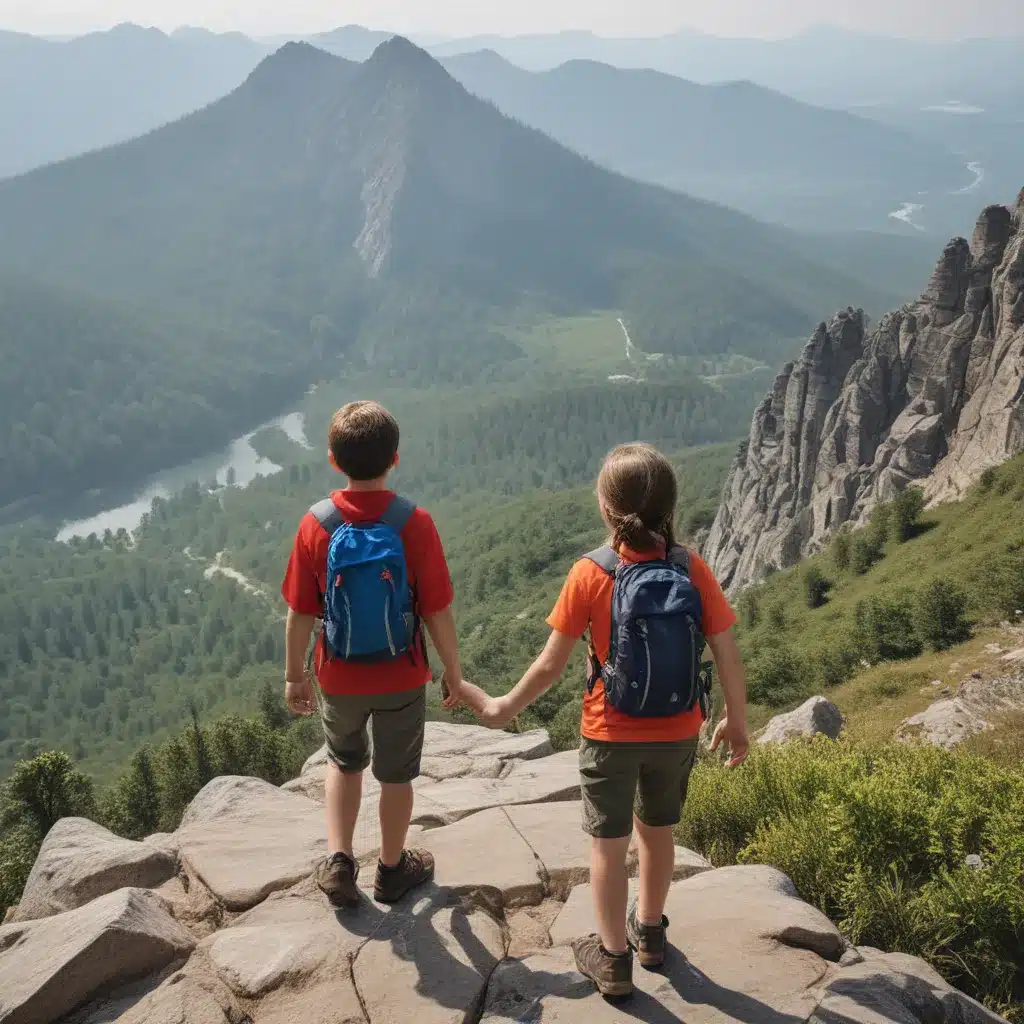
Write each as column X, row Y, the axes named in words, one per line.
column 733, row 728
column 497, row 712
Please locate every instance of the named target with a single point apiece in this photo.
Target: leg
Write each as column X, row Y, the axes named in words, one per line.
column 398, row 728
column 608, row 776
column 657, row 863
column 610, row 884
column 344, row 794
column 348, row 753
column 395, row 814
column 661, row 790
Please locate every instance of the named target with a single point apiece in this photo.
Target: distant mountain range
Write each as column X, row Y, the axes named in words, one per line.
column 380, row 213
column 736, row 143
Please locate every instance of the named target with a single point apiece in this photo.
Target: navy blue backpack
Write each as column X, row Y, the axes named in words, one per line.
column 369, row 606
column 654, row 666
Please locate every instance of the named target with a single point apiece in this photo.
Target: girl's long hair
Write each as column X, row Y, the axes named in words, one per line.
column 637, row 489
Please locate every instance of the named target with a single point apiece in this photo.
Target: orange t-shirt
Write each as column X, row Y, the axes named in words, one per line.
column 586, row 601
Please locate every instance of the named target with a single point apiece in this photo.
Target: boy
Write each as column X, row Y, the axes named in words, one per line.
column 370, row 660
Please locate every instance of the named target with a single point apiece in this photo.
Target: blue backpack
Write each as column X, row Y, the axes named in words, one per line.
column 654, row 666
column 369, row 606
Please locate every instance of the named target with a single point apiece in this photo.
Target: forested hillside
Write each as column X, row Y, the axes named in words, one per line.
column 329, row 216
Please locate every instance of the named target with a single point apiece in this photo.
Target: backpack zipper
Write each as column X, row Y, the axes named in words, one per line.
column 348, row 625
column 647, row 652
column 693, row 651
column 387, row 626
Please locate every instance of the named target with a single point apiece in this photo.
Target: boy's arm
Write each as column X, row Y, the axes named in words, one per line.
column 538, row 679
column 298, row 689
column 732, row 728
column 441, row 627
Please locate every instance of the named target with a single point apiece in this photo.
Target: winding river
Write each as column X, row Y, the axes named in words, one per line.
column 238, row 464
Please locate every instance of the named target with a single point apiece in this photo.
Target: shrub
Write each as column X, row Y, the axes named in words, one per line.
column 987, row 479
column 778, row 677
column 940, row 616
column 816, row 586
column 837, row 666
column 906, row 513
column 867, row 550
column 749, row 608
column 564, row 728
column 841, row 550
column 878, row 838
column 884, row 629
column 777, row 616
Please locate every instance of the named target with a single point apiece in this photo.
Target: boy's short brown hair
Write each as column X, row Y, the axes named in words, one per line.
column 364, row 440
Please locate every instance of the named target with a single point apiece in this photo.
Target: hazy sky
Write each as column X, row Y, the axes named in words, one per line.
column 924, row 18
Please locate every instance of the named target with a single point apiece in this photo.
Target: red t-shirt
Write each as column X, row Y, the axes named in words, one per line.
column 586, row 601
column 305, row 583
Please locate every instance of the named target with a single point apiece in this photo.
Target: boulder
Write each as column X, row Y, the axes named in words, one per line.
column 80, row 860
column 49, row 967
column 932, row 396
column 977, row 705
column 527, row 782
column 244, row 839
column 718, row 909
column 879, row 988
column 815, row 717
column 429, row 961
column 486, row 851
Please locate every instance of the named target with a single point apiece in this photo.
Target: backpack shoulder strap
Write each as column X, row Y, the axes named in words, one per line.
column 680, row 556
column 328, row 515
column 606, row 558
column 398, row 514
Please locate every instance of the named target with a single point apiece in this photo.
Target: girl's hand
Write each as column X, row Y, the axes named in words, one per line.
column 735, row 736
column 496, row 712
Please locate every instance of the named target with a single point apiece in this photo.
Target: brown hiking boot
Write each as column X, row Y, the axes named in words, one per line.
column 613, row 975
column 649, row 940
column 336, row 879
column 391, row 884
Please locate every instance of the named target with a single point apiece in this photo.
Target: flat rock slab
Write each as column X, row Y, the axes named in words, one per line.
column 80, row 860
column 51, row 966
column 429, row 961
column 742, row 930
column 485, row 851
column 555, row 834
column 976, row 707
column 528, row 782
column 287, row 940
column 244, row 839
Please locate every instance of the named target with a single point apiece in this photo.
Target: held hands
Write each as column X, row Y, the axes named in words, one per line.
column 298, row 695
column 494, row 712
column 735, row 737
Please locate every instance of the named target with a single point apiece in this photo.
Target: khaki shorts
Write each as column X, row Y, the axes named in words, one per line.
column 397, row 722
column 622, row 779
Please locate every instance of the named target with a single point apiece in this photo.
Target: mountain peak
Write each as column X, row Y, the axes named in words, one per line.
column 400, row 52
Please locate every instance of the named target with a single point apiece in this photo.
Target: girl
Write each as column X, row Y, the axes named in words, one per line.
column 634, row 765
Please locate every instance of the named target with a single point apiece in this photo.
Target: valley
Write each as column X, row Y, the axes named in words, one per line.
column 530, row 250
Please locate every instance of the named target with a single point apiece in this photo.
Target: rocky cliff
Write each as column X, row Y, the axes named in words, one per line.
column 932, row 396
column 220, row 923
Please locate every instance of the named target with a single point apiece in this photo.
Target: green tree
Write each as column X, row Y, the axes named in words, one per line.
column 885, row 630
column 816, row 586
column 842, row 550
column 941, row 615
column 272, row 709
column 131, row 807
column 778, row 677
column 906, row 513
column 42, row 791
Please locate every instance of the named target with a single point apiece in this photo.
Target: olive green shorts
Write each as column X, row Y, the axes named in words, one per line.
column 622, row 779
column 397, row 721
